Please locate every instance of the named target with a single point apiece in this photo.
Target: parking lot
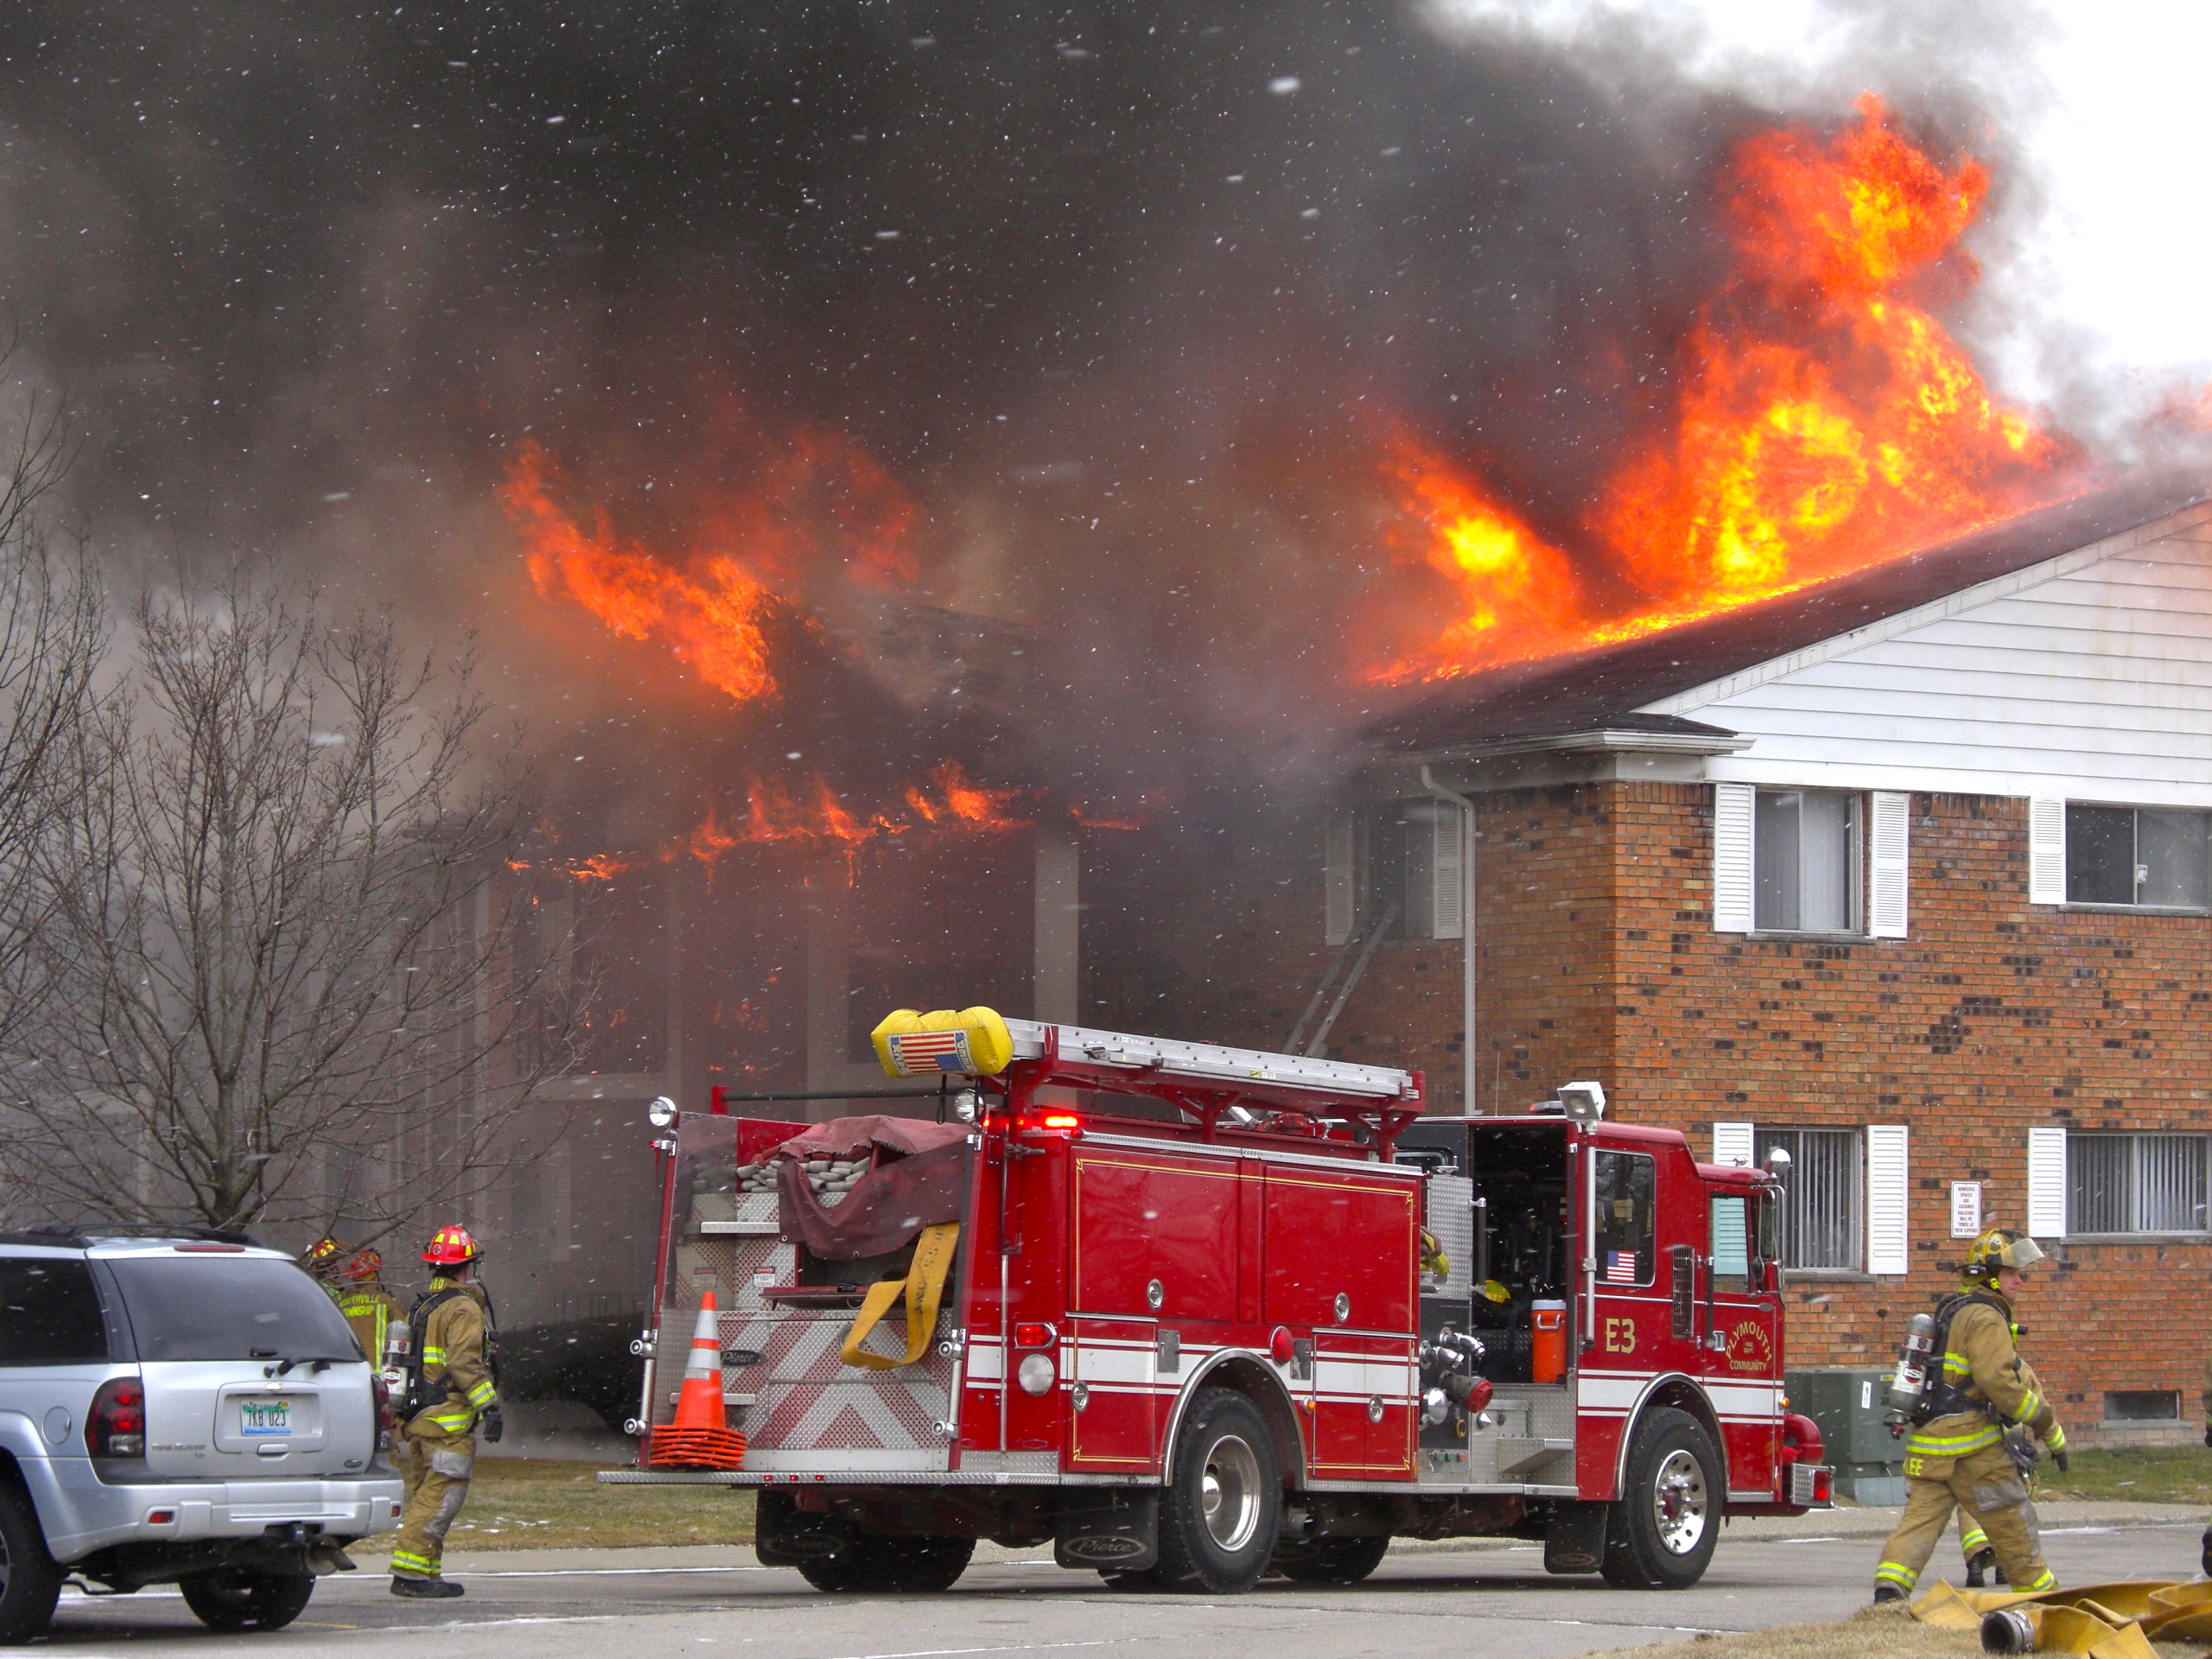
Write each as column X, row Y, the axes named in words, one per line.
column 1488, row 1597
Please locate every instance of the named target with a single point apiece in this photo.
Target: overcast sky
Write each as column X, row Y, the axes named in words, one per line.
column 2118, row 125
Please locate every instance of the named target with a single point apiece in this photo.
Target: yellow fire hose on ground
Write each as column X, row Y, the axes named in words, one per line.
column 2102, row 1621
column 923, row 1288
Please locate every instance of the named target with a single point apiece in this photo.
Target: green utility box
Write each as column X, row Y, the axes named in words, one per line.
column 1848, row 1403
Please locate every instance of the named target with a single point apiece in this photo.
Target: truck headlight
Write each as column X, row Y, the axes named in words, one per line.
column 1035, row 1374
column 661, row 1112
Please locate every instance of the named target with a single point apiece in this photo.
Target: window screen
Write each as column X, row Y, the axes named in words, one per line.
column 2138, row 856
column 1820, row 1222
column 2137, row 1184
column 50, row 1312
column 1805, row 861
column 1626, row 1181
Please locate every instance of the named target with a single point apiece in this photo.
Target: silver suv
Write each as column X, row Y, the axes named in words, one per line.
column 180, row 1405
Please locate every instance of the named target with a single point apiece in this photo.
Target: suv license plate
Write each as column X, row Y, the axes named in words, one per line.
column 265, row 1419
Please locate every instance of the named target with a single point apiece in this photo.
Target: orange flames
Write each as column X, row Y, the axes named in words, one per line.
column 773, row 813
column 1826, row 421
column 816, row 500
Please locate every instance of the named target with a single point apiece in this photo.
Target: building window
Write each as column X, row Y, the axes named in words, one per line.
column 2136, row 1183
column 1805, row 861
column 1625, row 1187
column 2143, row 856
column 1822, row 1219
column 2142, row 1406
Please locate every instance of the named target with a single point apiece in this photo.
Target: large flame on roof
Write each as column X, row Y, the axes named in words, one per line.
column 1824, row 421
column 814, row 504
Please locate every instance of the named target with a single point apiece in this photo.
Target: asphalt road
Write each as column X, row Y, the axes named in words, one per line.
column 1497, row 1598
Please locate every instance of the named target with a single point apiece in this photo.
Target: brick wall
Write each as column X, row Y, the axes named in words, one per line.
column 1598, row 959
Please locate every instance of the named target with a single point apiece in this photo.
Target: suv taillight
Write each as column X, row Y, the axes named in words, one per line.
column 387, row 1423
column 115, row 1427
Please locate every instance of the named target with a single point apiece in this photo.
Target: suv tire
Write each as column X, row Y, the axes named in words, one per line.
column 1220, row 1512
column 1661, row 1534
column 238, row 1599
column 30, row 1583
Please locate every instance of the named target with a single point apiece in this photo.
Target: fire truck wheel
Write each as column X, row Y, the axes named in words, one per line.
column 1660, row 1536
column 1219, row 1514
column 882, row 1567
column 1333, row 1560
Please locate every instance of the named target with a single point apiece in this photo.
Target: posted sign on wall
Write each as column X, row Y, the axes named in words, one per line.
column 1965, row 1208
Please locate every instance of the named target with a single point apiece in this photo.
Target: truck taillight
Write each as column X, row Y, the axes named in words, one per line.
column 1032, row 1336
column 116, row 1426
column 387, row 1423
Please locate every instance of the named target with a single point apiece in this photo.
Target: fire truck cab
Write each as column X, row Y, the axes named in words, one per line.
column 1191, row 1313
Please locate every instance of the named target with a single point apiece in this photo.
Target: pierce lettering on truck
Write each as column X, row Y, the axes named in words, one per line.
column 1189, row 1312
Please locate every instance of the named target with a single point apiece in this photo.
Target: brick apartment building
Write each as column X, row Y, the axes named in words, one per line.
column 1910, row 873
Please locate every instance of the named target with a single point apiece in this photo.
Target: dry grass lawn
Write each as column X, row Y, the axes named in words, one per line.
column 540, row 1504
column 1884, row 1633
column 2151, row 1474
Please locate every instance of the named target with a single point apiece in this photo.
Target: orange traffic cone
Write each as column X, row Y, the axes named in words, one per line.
column 701, row 1437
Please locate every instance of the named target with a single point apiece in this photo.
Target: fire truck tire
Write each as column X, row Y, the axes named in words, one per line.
column 1220, row 1512
column 1660, row 1533
column 1333, row 1560
column 879, row 1567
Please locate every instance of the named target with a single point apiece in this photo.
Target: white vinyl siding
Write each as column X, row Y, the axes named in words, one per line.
column 2046, row 1183
column 2085, row 677
column 1731, row 1144
column 2047, row 853
column 1888, row 875
column 1888, row 1188
column 1340, row 876
column 1734, row 805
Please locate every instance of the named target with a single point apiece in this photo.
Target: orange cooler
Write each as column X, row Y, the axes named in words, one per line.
column 1549, row 1355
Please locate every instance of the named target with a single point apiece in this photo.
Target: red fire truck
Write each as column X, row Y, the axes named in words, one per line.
column 1190, row 1312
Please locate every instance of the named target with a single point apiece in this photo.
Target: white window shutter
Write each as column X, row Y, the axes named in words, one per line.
column 1731, row 1144
column 1888, row 1189
column 1337, row 876
column 2046, row 852
column 1448, row 908
column 1732, row 807
column 1888, row 873
column 2047, row 1183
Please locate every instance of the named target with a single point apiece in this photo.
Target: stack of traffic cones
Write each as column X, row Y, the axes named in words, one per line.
column 701, row 1437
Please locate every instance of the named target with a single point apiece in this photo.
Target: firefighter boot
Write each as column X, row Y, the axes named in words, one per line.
column 1978, row 1564
column 427, row 1589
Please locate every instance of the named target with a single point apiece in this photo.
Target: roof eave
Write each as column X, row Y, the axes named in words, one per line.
column 1604, row 739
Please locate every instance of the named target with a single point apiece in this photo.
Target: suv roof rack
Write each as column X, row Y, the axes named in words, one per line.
column 79, row 1235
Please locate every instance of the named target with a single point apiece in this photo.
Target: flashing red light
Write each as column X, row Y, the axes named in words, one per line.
column 1821, row 1487
column 1281, row 1345
column 1060, row 1121
column 1032, row 1336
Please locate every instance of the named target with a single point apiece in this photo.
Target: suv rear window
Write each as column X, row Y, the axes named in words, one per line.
column 238, row 1308
column 50, row 1312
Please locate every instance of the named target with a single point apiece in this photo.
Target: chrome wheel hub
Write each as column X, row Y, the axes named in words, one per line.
column 1229, row 1493
column 1680, row 1502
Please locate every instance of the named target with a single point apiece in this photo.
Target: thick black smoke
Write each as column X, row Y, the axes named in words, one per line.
column 1114, row 291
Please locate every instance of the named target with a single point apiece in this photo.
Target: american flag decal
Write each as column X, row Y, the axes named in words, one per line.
column 1620, row 1267
column 930, row 1051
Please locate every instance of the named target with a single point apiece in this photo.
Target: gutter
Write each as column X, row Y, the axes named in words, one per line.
column 1466, row 935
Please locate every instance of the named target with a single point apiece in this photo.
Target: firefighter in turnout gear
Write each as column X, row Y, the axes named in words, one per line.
column 322, row 1260
column 369, row 1308
column 450, row 1391
column 2206, row 1554
column 1955, row 1456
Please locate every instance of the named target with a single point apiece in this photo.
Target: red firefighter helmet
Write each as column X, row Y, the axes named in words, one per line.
column 450, row 1247
column 365, row 1264
column 322, row 1259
